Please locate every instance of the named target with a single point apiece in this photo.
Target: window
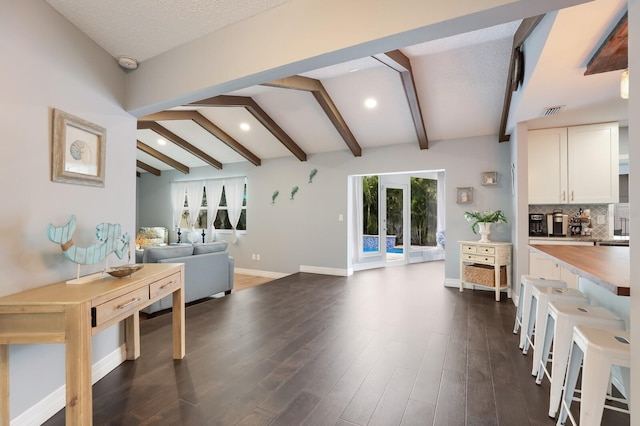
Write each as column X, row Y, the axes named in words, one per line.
column 222, row 217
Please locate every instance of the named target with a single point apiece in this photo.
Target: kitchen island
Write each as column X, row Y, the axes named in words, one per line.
column 603, row 272
column 607, row 267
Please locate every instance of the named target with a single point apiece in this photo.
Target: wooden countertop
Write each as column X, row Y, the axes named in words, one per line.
column 607, row 267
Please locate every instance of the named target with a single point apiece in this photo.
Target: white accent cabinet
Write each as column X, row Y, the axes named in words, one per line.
column 574, row 165
column 486, row 265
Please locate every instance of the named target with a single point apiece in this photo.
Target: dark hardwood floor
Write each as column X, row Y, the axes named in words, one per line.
column 382, row 347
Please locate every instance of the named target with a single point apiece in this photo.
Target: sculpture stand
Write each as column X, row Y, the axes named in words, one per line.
column 91, row 277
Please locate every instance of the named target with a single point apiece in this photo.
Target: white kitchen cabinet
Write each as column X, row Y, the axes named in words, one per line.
column 544, row 267
column 575, row 165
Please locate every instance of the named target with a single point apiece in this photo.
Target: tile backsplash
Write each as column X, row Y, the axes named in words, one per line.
column 597, row 231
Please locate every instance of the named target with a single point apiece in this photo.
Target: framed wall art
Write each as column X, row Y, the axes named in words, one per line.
column 465, row 195
column 489, row 178
column 78, row 150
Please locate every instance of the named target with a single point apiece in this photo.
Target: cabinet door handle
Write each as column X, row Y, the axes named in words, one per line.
column 167, row 285
column 564, row 195
column 571, row 195
column 129, row 303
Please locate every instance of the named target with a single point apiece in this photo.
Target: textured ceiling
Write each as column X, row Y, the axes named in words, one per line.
column 143, row 29
column 459, row 81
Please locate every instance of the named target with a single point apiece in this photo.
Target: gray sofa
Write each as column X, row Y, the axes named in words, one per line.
column 208, row 270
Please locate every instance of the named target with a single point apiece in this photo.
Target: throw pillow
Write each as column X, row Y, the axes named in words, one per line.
column 202, row 248
column 153, row 254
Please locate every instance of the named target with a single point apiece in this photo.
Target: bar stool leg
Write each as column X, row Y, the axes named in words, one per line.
column 541, row 353
column 524, row 337
column 561, row 347
column 573, row 370
column 596, row 372
column 519, row 319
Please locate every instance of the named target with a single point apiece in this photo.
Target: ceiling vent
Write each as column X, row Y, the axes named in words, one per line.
column 552, row 110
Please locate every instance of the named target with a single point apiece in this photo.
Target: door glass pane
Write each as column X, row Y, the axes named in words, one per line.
column 394, row 221
column 424, row 212
column 370, row 214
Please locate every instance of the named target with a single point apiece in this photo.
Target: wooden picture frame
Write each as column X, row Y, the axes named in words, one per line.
column 464, row 195
column 78, row 150
column 489, row 178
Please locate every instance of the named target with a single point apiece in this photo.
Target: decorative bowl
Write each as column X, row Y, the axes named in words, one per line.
column 125, row 270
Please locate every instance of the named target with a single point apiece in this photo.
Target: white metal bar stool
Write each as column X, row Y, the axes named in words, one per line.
column 524, row 311
column 561, row 319
column 540, row 298
column 597, row 350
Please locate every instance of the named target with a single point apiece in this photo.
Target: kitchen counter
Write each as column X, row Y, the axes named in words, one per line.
column 577, row 238
column 607, row 267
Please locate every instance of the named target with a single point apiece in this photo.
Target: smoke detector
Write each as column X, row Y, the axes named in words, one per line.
column 552, row 110
column 128, row 62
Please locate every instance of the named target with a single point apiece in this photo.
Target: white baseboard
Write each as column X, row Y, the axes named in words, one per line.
column 368, row 265
column 452, row 282
column 324, row 271
column 258, row 273
column 55, row 401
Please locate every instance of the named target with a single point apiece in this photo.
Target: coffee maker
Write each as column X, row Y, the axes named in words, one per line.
column 537, row 225
column 557, row 224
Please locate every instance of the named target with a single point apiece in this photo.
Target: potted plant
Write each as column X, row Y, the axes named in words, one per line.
column 482, row 221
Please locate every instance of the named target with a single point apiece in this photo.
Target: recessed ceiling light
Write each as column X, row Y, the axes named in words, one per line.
column 162, row 142
column 245, row 127
column 354, row 69
column 370, row 103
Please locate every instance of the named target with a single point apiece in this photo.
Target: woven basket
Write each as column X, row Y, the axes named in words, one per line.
column 484, row 275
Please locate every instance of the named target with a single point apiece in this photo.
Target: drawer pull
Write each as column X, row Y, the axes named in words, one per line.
column 167, row 285
column 131, row 302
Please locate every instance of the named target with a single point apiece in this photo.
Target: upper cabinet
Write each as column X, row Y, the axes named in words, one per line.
column 575, row 165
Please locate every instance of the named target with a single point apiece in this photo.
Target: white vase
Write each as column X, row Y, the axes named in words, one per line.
column 485, row 230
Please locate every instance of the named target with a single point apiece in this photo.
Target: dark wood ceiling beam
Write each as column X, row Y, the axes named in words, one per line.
column 318, row 91
column 522, row 33
column 206, row 124
column 397, row 61
column 161, row 157
column 148, row 168
column 254, row 109
column 172, row 137
column 613, row 53
column 216, row 131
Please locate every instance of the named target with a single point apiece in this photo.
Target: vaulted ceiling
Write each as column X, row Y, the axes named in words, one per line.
column 449, row 88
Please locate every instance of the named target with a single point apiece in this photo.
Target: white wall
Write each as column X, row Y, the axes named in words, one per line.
column 47, row 63
column 634, row 198
column 306, row 231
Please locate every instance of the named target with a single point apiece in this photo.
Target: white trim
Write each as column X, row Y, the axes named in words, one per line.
column 324, row 271
column 452, row 282
column 56, row 401
column 258, row 273
column 369, row 265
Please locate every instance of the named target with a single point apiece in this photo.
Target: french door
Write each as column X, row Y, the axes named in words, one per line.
column 394, row 232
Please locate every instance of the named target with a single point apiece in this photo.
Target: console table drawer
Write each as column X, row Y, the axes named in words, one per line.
column 479, row 258
column 120, row 305
column 486, row 250
column 164, row 286
column 469, row 248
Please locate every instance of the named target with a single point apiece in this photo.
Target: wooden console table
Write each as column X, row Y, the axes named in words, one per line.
column 71, row 314
column 493, row 254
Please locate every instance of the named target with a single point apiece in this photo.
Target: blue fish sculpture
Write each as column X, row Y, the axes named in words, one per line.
column 108, row 235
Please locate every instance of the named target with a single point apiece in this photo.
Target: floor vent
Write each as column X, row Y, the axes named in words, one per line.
column 552, row 110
